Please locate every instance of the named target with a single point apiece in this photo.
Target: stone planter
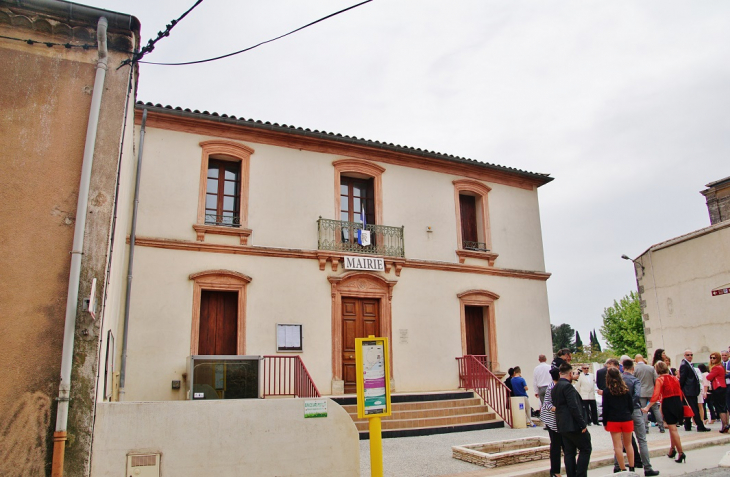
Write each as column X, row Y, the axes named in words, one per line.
column 500, row 453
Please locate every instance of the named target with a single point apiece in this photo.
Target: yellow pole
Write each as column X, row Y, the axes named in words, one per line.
column 376, row 448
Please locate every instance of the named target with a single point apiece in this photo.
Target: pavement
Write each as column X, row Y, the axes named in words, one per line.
column 431, row 455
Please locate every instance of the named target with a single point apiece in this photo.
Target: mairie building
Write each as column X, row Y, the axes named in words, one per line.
column 249, row 242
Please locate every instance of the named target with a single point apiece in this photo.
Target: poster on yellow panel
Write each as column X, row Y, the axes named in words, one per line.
column 373, row 377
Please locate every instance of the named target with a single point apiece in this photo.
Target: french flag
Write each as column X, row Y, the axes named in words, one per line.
column 363, row 236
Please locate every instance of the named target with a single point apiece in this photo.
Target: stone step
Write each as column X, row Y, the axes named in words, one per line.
column 427, row 413
column 423, row 405
column 441, row 421
column 430, row 413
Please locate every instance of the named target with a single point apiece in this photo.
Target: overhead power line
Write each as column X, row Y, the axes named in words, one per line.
column 160, row 35
column 259, row 44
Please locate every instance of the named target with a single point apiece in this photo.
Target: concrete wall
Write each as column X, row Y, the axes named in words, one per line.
column 227, row 438
column 679, row 309
column 45, row 96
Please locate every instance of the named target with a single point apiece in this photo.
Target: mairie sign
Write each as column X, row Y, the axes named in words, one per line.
column 364, row 263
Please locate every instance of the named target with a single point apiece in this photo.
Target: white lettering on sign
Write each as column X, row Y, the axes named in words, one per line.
column 364, row 263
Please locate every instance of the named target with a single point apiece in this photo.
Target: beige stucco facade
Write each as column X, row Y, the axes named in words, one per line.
column 290, row 185
column 676, row 286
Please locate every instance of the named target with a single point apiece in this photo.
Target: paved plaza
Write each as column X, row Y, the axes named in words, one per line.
column 431, row 455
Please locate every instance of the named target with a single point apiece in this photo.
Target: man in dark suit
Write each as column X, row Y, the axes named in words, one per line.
column 690, row 384
column 571, row 424
column 601, row 374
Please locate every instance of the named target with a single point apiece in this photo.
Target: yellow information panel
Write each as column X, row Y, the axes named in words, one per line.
column 373, row 377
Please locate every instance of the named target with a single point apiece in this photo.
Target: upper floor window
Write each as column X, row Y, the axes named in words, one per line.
column 472, row 220
column 223, row 193
column 470, row 226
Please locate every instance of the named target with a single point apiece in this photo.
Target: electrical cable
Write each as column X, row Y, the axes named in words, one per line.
column 160, row 35
column 259, row 44
column 49, row 44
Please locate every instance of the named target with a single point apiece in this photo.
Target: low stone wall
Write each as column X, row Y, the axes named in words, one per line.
column 226, row 438
column 508, row 452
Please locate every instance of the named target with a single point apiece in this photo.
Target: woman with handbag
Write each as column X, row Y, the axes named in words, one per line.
column 668, row 391
column 719, row 388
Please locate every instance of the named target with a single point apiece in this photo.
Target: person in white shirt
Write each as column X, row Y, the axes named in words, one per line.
column 586, row 386
column 541, row 378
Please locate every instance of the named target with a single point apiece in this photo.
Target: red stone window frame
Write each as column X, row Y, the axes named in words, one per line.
column 360, row 168
column 219, row 280
column 229, row 151
column 481, row 192
column 485, row 299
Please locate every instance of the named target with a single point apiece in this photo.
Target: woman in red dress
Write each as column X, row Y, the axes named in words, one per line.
column 668, row 391
column 719, row 388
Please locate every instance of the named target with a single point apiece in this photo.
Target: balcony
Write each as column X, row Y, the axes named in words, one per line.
column 341, row 236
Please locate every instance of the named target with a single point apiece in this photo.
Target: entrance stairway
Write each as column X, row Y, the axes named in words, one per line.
column 428, row 413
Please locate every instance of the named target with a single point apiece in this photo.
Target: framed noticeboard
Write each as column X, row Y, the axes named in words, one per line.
column 372, row 364
column 289, row 338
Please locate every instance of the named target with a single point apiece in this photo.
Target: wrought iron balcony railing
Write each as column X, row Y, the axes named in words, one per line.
column 476, row 246
column 341, row 236
column 223, row 220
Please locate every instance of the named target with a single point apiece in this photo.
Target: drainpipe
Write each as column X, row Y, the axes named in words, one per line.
column 64, row 389
column 132, row 236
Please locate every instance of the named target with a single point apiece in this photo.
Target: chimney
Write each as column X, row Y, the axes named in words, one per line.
column 718, row 200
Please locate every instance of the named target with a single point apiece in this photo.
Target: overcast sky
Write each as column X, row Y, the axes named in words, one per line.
column 625, row 103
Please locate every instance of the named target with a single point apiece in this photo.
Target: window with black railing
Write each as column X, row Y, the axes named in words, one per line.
column 223, row 193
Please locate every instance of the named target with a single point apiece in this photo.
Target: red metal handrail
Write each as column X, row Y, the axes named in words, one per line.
column 474, row 375
column 287, row 376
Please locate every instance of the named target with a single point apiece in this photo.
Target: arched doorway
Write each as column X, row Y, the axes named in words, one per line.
column 361, row 306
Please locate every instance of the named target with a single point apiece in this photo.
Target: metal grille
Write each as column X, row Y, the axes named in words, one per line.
column 477, row 246
column 340, row 236
column 143, row 460
column 224, row 220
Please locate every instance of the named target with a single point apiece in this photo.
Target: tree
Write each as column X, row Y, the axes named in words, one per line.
column 594, row 341
column 622, row 327
column 590, row 354
column 578, row 341
column 562, row 337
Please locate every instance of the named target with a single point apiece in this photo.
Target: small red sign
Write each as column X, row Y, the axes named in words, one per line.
column 721, row 291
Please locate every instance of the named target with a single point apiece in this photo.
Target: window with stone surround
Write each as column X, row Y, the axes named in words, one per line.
column 223, row 193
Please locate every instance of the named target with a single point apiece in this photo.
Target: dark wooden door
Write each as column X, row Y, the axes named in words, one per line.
column 218, row 323
column 474, row 318
column 360, row 319
column 468, row 211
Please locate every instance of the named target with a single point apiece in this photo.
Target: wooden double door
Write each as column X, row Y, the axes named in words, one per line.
column 360, row 319
column 218, row 323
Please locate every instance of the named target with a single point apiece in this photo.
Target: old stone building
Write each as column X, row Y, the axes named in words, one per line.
column 62, row 131
column 684, row 285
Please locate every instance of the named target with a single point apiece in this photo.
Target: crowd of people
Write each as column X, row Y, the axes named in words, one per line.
column 633, row 393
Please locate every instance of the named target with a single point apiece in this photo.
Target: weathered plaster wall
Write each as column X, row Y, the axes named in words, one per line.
column 679, row 309
column 45, row 99
column 227, row 438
